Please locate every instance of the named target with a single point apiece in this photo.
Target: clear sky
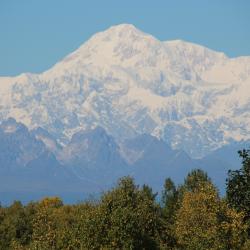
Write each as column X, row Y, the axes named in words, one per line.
column 35, row 34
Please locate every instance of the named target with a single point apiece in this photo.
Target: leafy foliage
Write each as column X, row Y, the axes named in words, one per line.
column 238, row 185
column 126, row 218
column 190, row 216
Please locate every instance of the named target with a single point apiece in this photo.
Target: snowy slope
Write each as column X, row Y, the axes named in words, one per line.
column 130, row 83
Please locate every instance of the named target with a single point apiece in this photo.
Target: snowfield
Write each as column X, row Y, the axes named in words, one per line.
column 130, row 83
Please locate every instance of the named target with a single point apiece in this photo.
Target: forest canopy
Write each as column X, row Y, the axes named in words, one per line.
column 128, row 216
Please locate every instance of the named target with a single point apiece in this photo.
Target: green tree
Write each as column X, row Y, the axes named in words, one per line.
column 66, row 224
column 15, row 225
column 126, row 218
column 195, row 179
column 238, row 185
column 45, row 224
column 238, row 188
column 196, row 221
column 90, row 229
column 231, row 228
column 169, row 199
column 170, row 205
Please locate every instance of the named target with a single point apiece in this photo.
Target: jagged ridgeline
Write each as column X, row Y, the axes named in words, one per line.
column 124, row 103
column 130, row 83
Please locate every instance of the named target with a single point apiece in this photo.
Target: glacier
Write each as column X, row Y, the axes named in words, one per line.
column 130, row 84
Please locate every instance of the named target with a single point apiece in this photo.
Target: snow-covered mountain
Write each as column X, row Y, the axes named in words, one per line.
column 130, row 83
column 25, row 159
column 94, row 156
column 33, row 166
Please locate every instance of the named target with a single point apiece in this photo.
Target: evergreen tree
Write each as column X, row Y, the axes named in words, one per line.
column 170, row 205
column 195, row 179
column 238, row 187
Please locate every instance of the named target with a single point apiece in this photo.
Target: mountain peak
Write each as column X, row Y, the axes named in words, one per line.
column 129, row 83
column 116, row 45
column 123, row 26
column 122, row 30
column 120, row 33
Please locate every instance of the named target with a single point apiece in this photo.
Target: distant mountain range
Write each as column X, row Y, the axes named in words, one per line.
column 123, row 103
column 33, row 164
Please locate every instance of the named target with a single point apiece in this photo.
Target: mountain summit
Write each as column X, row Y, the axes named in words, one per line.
column 130, row 83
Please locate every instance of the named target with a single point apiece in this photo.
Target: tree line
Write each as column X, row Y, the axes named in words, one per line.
column 189, row 216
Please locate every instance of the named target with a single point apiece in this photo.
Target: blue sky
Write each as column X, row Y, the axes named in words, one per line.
column 35, row 34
